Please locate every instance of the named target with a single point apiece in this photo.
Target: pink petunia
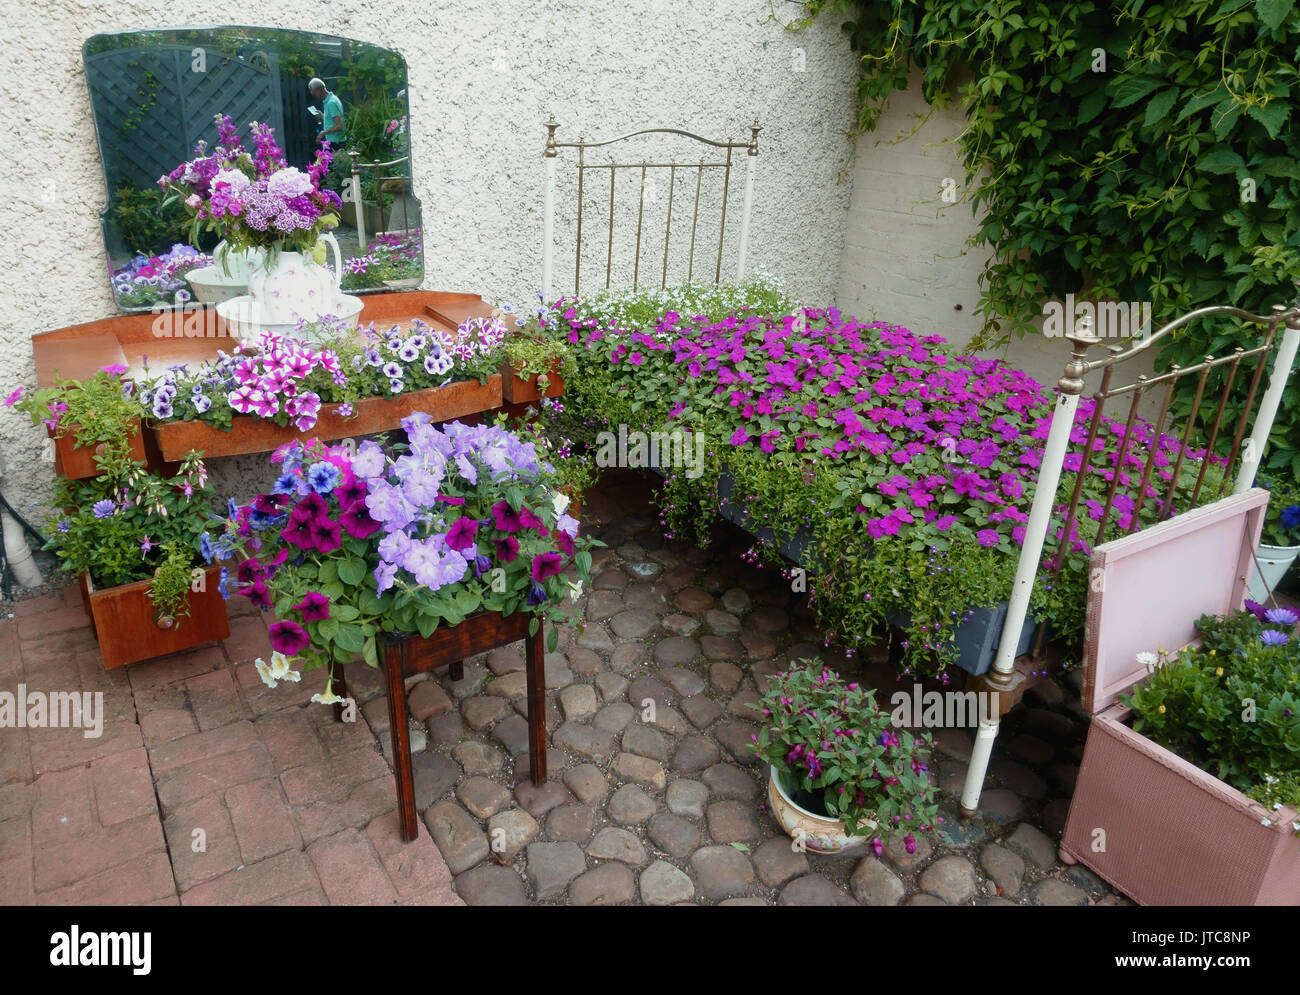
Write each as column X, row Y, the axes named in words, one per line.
column 288, row 638
column 315, row 607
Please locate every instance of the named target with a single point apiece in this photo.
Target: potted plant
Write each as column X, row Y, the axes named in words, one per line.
column 453, row 523
column 1280, row 540
column 1194, row 705
column 132, row 537
column 336, row 385
column 533, row 364
column 88, row 420
column 1228, row 711
column 839, row 774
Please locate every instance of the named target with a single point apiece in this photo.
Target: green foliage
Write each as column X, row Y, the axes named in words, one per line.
column 147, row 225
column 1145, row 151
column 829, row 738
column 1282, row 519
column 103, row 410
column 1276, row 792
column 170, row 589
column 129, row 524
column 1231, row 706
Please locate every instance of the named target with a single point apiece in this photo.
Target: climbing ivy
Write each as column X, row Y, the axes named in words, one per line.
column 1139, row 151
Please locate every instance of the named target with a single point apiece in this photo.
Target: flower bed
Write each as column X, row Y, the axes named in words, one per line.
column 147, row 281
column 869, row 439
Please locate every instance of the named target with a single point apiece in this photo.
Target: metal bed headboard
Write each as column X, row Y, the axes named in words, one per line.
column 1002, row 679
column 551, row 154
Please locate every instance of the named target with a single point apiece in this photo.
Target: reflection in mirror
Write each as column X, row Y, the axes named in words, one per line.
column 157, row 94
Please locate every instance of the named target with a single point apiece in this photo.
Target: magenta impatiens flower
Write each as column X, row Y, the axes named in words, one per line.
column 988, row 537
column 12, row 399
column 288, row 638
column 315, row 607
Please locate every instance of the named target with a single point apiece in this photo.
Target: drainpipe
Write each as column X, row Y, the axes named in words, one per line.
column 18, row 554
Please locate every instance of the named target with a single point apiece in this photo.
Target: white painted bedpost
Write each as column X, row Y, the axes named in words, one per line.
column 1252, row 453
column 548, row 213
column 1002, row 677
column 746, row 213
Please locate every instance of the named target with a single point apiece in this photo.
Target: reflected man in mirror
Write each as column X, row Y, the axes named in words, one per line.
column 332, row 129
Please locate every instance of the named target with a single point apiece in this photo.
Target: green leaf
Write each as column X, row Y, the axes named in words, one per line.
column 350, row 638
column 328, row 628
column 370, row 652
column 1220, row 161
column 352, row 571
column 1272, row 13
column 1130, row 89
column 1160, row 105
column 1272, row 117
column 552, row 639
column 741, row 847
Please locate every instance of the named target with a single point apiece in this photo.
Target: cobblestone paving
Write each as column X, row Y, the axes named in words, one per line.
column 673, row 810
column 208, row 787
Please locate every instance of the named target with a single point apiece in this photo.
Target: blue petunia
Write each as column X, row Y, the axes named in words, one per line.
column 1291, row 516
column 324, row 477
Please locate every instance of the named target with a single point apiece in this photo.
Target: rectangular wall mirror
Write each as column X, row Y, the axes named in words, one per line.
column 156, row 94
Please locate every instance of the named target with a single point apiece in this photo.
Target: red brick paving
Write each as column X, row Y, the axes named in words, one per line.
column 205, row 787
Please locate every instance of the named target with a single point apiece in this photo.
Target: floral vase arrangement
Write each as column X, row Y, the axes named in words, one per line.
column 347, row 547
column 840, row 774
column 258, row 202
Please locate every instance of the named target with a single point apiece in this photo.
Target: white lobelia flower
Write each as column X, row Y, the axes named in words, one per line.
column 560, row 501
column 1147, row 659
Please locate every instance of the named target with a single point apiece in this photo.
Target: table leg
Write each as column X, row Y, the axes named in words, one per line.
column 340, row 689
column 456, row 671
column 394, row 666
column 535, row 662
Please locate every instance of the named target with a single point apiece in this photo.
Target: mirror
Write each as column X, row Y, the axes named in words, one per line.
column 155, row 94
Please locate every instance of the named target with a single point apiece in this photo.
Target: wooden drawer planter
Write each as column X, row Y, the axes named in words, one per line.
column 370, row 415
column 448, row 646
column 124, row 624
column 1172, row 833
column 77, row 462
column 517, row 390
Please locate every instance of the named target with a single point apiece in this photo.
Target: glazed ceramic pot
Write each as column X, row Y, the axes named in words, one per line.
column 819, row 833
column 1274, row 562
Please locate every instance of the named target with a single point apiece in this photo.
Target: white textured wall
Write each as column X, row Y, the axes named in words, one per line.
column 483, row 77
column 905, row 254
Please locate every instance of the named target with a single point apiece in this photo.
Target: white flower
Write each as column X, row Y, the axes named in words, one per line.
column 1265, row 822
column 1276, row 806
column 288, row 182
column 279, row 669
column 575, row 590
column 1147, row 659
column 560, row 501
column 237, row 180
column 329, row 697
column 264, row 672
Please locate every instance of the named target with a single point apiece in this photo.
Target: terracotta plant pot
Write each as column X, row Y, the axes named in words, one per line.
column 129, row 630
column 370, row 415
column 517, row 390
column 77, row 462
column 819, row 833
